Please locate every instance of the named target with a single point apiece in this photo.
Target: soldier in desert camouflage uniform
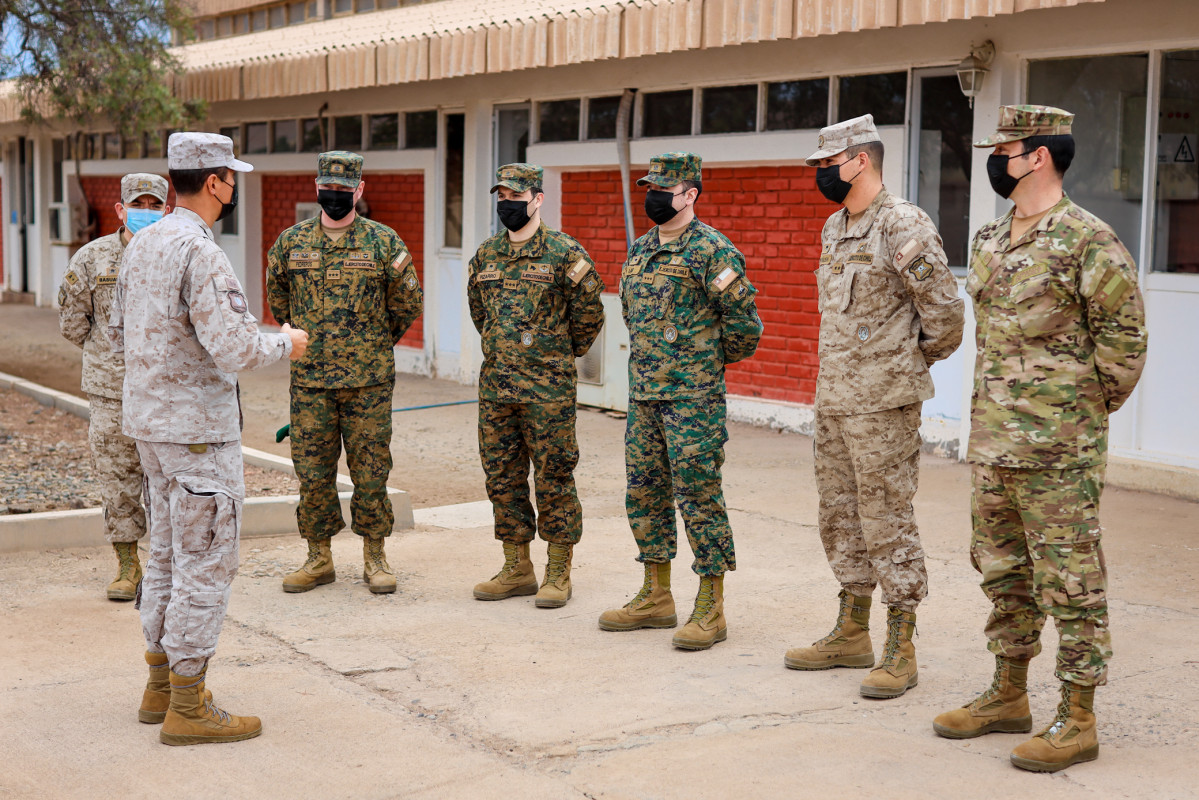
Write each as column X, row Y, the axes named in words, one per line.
column 181, row 318
column 84, row 300
column 690, row 311
column 1061, row 344
column 889, row 309
column 351, row 283
column 535, row 299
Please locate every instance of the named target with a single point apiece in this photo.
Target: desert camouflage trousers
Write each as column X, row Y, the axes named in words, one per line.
column 513, row 435
column 1037, row 545
column 118, row 470
column 867, row 469
column 194, row 506
column 673, row 452
column 321, row 420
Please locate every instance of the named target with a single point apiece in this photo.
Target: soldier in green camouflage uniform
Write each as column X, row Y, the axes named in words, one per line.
column 1061, row 344
column 690, row 311
column 535, row 299
column 351, row 284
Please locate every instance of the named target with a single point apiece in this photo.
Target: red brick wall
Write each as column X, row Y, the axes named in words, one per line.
column 103, row 192
column 396, row 200
column 774, row 216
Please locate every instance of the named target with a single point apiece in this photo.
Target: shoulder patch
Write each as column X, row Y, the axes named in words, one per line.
column 907, row 253
column 577, row 272
column 402, row 262
column 71, row 277
column 1028, row 273
column 1112, row 289
column 724, row 279
column 920, row 268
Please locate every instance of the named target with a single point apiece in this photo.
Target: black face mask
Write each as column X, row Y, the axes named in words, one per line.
column 659, row 206
column 334, row 203
column 828, row 181
column 1001, row 182
column 513, row 213
column 227, row 208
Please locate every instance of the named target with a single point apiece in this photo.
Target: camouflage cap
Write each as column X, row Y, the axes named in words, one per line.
column 195, row 150
column 136, row 184
column 840, row 137
column 517, row 177
column 340, row 168
column 669, row 169
column 1021, row 122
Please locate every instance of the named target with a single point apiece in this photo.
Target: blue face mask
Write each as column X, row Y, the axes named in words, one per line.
column 138, row 218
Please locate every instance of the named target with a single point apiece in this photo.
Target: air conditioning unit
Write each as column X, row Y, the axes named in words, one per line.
column 604, row 370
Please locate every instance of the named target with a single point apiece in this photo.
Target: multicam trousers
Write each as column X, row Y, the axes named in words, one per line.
column 867, row 469
column 674, row 450
column 1037, row 545
column 511, row 435
column 321, row 419
column 194, row 503
column 116, row 465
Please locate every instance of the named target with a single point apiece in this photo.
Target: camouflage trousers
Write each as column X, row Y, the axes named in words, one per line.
column 1037, row 545
column 118, row 469
column 867, row 469
column 321, row 420
column 673, row 451
column 194, row 504
column 511, row 435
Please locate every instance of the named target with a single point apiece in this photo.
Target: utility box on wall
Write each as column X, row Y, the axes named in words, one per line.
column 604, row 371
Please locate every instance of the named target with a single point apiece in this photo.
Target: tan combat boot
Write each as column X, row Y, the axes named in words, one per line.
column 317, row 570
column 896, row 672
column 129, row 572
column 515, row 578
column 847, row 645
column 376, row 572
column 707, row 625
column 1069, row 739
column 555, row 587
column 1003, row 708
column 652, row 607
column 157, row 696
column 193, row 719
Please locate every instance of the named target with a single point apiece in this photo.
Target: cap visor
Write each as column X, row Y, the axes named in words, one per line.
column 513, row 185
column 349, row 183
column 1000, row 138
column 814, row 159
column 657, row 180
column 240, row 166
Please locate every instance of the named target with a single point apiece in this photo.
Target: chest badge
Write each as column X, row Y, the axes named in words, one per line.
column 526, row 339
column 671, row 334
column 863, row 333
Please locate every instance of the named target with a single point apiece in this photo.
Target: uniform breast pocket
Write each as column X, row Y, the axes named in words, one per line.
column 838, row 292
column 871, row 287
column 1039, row 307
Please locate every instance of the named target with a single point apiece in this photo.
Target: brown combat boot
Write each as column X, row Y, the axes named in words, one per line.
column 707, row 625
column 317, row 570
column 1069, row 739
column 193, row 719
column 555, row 587
column 515, row 578
column 652, row 607
column 376, row 572
column 129, row 572
column 896, row 672
column 157, row 696
column 847, row 644
column 1003, row 708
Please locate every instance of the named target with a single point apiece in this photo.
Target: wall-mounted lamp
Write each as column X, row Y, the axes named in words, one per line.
column 974, row 68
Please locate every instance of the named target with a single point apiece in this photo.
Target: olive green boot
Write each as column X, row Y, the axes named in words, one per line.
column 129, row 572
column 1069, row 739
column 376, row 572
column 652, row 607
column 896, row 672
column 317, row 570
column 1003, row 708
column 515, row 578
column 555, row 587
column 707, row 625
column 157, row 696
column 847, row 644
column 192, row 718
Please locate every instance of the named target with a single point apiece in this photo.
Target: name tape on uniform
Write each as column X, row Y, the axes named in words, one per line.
column 861, row 258
column 1028, row 273
column 538, row 276
column 359, row 264
column 106, row 280
column 487, row 275
column 673, row 271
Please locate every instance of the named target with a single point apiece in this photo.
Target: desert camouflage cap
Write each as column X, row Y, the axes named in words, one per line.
column 517, row 177
column 196, row 150
column 669, row 169
column 340, row 168
column 136, row 184
column 1021, row 122
column 842, row 136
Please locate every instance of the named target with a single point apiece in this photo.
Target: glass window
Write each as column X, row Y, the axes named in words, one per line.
column 283, row 136
column 112, row 145
column 311, row 140
column 295, row 13
column 241, row 23
column 601, row 117
column 558, row 121
column 944, row 159
column 796, row 105
column 233, row 133
column 455, row 151
column 94, row 146
column 347, row 133
column 389, row 4
column 58, row 155
column 729, row 109
column 312, row 9
column 343, row 6
column 278, row 15
column 384, row 132
column 258, row 20
column 884, row 96
column 366, row 5
column 153, row 144
column 666, row 113
column 225, row 26
column 256, row 138
column 1109, row 136
column 420, row 129
column 206, row 29
column 1176, row 248
column 131, row 147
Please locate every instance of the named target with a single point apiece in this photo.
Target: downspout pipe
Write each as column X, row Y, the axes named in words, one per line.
column 623, row 115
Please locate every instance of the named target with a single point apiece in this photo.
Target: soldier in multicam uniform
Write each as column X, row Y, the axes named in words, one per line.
column 535, row 299
column 351, row 283
column 84, row 300
column 690, row 311
column 889, row 309
column 1061, row 345
column 182, row 320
